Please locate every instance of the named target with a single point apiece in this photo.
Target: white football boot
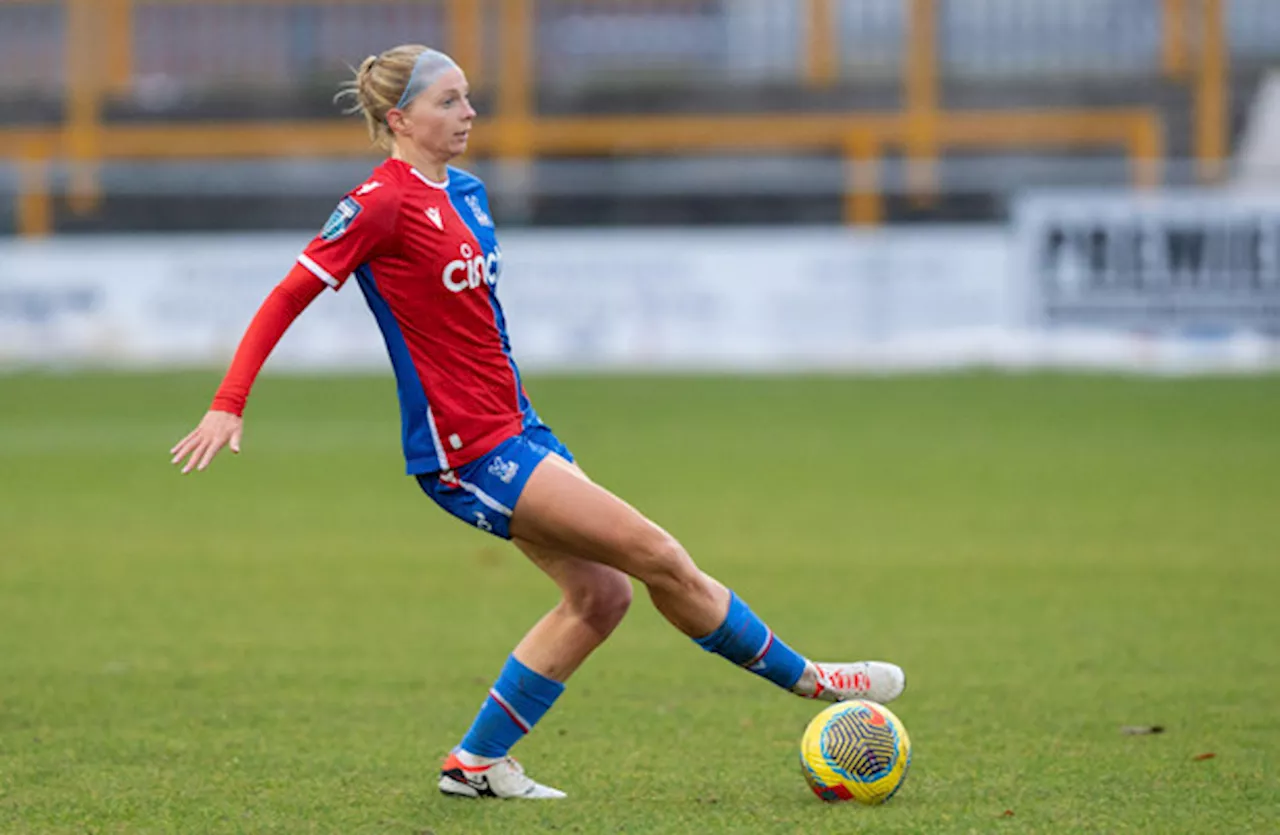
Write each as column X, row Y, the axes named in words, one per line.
column 877, row 681
column 466, row 775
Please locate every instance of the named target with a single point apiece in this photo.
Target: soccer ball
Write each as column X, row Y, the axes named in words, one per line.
column 856, row 750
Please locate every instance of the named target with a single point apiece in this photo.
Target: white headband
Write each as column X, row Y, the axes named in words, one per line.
column 429, row 66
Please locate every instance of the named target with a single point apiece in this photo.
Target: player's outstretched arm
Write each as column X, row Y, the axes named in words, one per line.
column 223, row 424
column 216, row 430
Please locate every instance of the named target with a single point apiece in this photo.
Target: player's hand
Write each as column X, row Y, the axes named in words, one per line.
column 216, row 430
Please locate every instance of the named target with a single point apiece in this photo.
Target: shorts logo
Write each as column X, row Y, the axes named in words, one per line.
column 504, row 471
column 482, row 217
column 340, row 221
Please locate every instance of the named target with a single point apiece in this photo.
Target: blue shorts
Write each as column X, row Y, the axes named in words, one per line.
column 484, row 492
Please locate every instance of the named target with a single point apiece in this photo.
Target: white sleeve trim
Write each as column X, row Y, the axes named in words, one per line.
column 317, row 270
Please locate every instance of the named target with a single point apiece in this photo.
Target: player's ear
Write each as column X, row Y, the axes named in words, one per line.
column 396, row 120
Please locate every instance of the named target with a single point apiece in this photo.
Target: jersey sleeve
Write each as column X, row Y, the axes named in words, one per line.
column 360, row 228
column 285, row 303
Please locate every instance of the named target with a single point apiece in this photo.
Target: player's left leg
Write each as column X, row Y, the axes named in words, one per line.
column 561, row 510
column 594, row 599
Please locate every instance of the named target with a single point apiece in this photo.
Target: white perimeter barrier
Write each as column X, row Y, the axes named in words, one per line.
column 770, row 299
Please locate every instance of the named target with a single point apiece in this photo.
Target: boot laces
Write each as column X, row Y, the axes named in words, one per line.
column 844, row 680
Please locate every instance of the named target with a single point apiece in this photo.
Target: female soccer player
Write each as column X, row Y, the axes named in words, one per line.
column 419, row 238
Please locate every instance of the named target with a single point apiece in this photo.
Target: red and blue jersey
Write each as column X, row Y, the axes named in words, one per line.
column 426, row 256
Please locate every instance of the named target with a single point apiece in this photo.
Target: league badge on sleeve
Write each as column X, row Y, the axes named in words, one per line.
column 340, row 221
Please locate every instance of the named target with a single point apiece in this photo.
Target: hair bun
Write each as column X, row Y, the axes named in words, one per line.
column 376, row 86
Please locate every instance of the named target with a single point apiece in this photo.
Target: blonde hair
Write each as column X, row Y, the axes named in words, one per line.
column 376, row 90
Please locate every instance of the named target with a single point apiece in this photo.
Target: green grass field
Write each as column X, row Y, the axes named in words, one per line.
column 289, row 642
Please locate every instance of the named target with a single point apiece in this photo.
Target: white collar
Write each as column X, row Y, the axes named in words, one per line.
column 442, row 186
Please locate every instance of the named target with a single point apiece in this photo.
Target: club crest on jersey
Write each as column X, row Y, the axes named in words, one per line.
column 482, row 217
column 340, row 221
column 433, row 215
column 504, row 471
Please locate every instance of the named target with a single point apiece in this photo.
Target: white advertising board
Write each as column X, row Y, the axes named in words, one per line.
column 769, row 299
column 1173, row 262
column 761, row 299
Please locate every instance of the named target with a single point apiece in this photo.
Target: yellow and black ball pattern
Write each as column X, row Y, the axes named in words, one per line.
column 855, row 750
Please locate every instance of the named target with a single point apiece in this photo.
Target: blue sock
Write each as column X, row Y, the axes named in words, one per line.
column 517, row 700
column 746, row 641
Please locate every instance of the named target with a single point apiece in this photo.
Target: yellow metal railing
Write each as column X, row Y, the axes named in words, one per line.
column 117, row 19
column 822, row 44
column 921, row 96
column 100, row 61
column 1175, row 56
column 1212, row 118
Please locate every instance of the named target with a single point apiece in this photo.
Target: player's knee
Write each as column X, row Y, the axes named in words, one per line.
column 664, row 563
column 609, row 603
column 603, row 603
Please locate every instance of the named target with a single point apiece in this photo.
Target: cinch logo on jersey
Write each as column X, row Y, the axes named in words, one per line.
column 472, row 269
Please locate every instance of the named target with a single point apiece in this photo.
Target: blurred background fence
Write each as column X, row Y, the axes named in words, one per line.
column 942, row 131
column 217, row 114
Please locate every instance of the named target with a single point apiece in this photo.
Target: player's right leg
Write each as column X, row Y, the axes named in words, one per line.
column 594, row 599
column 560, row 510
